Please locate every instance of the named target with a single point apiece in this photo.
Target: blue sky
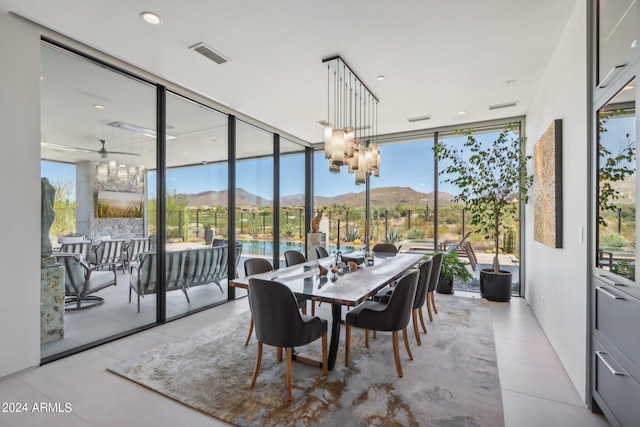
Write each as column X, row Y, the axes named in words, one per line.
column 403, row 165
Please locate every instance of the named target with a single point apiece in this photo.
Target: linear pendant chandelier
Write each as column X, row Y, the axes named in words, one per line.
column 350, row 133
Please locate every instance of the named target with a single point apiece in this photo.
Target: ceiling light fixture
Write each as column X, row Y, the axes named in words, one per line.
column 461, row 112
column 505, row 105
column 380, row 77
column 151, row 18
column 352, row 138
column 59, row 147
column 418, row 119
column 138, row 129
column 98, row 107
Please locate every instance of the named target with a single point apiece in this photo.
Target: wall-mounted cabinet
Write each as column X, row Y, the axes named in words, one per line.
column 614, row 288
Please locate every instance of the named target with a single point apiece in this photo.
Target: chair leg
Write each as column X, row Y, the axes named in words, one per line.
column 257, row 368
column 406, row 343
column 429, row 308
column 396, row 353
column 325, row 368
column 289, row 363
column 424, row 327
column 279, row 354
column 304, row 309
column 313, row 308
column 366, row 338
column 347, row 345
column 414, row 315
column 375, row 334
column 433, row 302
column 250, row 331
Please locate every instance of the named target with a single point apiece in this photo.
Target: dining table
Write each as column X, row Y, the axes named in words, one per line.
column 349, row 286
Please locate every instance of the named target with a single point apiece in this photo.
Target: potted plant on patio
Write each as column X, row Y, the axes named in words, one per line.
column 492, row 179
column 208, row 234
column 452, row 268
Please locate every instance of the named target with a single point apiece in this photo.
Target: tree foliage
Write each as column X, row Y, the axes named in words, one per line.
column 491, row 178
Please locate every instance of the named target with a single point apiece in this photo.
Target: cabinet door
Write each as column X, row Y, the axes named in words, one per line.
column 616, row 389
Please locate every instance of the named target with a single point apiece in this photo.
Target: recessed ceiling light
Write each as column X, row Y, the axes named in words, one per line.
column 461, row 112
column 151, row 18
column 98, row 106
column 380, row 77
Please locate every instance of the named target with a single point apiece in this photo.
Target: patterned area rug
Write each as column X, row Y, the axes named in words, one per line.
column 452, row 381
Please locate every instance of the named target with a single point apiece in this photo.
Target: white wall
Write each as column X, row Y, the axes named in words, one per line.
column 20, row 195
column 560, row 275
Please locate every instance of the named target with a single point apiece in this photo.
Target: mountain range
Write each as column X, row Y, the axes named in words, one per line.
column 380, row 197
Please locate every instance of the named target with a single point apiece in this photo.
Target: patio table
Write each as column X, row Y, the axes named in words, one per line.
column 349, row 288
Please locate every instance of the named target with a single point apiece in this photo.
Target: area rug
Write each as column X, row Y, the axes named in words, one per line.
column 452, row 381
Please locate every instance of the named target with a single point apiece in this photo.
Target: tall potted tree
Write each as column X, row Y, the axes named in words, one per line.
column 492, row 179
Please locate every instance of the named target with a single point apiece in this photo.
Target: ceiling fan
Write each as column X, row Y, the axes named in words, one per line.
column 102, row 151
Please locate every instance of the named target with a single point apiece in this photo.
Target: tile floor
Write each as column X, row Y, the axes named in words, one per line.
column 535, row 388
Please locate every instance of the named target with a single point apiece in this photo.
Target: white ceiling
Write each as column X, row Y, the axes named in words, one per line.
column 438, row 57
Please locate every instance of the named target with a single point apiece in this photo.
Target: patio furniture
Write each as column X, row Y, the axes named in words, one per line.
column 377, row 316
column 131, row 250
column 81, row 280
column 80, row 248
column 279, row 323
column 107, row 254
column 144, row 277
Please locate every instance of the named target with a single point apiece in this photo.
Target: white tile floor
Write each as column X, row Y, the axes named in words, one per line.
column 535, row 388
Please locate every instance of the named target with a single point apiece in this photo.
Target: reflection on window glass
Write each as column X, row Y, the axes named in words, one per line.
column 617, row 32
column 617, row 188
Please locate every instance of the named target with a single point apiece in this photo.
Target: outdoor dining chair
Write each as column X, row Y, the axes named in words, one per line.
column 279, row 323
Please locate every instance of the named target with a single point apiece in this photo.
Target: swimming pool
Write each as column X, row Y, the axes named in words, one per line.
column 265, row 248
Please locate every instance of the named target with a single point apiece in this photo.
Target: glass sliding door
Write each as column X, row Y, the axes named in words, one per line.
column 97, row 144
column 293, row 225
column 254, row 194
column 196, row 206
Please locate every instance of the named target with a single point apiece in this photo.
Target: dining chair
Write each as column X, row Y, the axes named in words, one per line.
column 279, row 323
column 421, row 292
column 135, row 246
column 433, row 281
column 385, row 247
column 321, row 252
column 294, row 258
column 393, row 317
column 260, row 265
column 80, row 248
column 107, row 254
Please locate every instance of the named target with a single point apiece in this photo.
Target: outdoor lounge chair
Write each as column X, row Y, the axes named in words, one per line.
column 81, row 280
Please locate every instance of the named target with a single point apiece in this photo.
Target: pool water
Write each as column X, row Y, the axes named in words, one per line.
column 265, row 248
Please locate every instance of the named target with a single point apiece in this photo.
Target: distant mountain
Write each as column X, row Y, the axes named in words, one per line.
column 380, row 197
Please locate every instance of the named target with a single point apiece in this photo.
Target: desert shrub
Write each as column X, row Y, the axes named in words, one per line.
column 613, row 240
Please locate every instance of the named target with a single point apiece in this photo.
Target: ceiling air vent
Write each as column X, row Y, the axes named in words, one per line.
column 419, row 119
column 499, row 106
column 206, row 51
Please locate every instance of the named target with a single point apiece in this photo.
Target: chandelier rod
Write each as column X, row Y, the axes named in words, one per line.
column 333, row 58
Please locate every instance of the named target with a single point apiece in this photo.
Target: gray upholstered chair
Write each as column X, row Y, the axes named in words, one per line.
column 421, row 292
column 293, row 258
column 260, row 265
column 81, row 280
column 385, row 248
column 393, row 317
column 279, row 323
column 433, row 281
column 321, row 252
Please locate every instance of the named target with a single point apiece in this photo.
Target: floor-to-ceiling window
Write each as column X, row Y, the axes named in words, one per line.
column 98, row 142
column 293, row 226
